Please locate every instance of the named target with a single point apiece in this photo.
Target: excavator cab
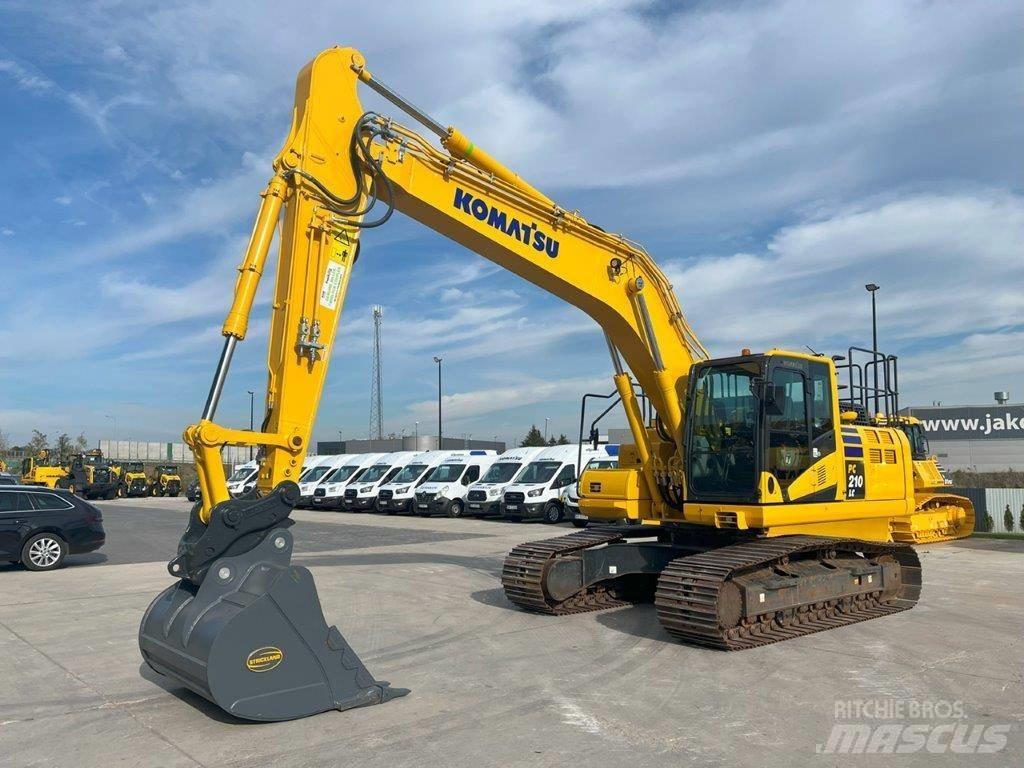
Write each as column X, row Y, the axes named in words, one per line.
column 758, row 420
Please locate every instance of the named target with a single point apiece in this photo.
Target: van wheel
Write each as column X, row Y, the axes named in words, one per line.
column 552, row 512
column 44, row 552
column 455, row 509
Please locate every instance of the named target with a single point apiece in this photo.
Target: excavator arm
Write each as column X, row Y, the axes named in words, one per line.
column 336, row 164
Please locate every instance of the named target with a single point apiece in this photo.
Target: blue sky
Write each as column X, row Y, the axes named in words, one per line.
column 773, row 157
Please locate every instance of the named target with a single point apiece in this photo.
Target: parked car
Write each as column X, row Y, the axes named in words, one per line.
column 8, row 479
column 40, row 527
column 193, row 492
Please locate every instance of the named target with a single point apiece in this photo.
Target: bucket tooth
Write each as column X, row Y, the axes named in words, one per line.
column 252, row 639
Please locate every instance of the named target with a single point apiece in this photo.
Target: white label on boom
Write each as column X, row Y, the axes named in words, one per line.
column 331, row 289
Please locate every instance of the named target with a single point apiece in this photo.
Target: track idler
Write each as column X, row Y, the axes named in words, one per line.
column 245, row 630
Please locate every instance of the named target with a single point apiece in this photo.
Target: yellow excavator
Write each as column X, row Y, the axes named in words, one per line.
column 765, row 504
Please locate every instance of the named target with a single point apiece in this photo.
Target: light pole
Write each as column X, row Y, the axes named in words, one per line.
column 438, row 361
column 252, row 413
column 546, row 420
column 416, row 432
column 340, row 446
column 871, row 288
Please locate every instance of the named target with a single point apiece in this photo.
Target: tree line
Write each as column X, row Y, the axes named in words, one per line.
column 535, row 439
column 62, row 447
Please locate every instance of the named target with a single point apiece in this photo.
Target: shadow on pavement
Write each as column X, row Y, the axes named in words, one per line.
column 488, row 565
column 194, row 700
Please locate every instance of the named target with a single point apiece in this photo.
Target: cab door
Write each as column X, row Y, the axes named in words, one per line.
column 800, row 437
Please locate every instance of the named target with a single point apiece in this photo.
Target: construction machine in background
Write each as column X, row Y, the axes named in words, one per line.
column 166, row 481
column 91, row 476
column 133, row 480
column 765, row 507
column 45, row 468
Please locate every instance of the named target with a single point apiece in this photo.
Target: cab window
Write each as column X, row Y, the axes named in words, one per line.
column 786, row 409
column 823, row 425
column 472, row 475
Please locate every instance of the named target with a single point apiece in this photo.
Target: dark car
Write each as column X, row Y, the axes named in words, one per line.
column 40, row 527
column 194, row 492
column 7, row 479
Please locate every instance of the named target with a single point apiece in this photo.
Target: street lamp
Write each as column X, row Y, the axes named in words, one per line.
column 417, row 432
column 438, row 361
column 546, row 420
column 871, row 288
column 252, row 413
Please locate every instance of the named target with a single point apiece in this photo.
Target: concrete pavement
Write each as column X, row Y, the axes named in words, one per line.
column 420, row 601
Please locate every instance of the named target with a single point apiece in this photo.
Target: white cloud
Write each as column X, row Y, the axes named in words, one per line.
column 6, row 232
column 62, row 200
column 24, row 79
column 948, row 265
column 481, row 402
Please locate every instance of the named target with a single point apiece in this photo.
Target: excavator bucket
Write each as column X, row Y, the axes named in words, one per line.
column 252, row 638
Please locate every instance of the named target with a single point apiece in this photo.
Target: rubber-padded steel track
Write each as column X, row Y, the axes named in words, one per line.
column 522, row 576
column 689, row 591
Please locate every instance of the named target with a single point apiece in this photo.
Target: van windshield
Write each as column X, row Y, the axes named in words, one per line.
column 341, row 474
column 374, row 473
column 446, row 473
column 313, row 474
column 502, row 472
column 410, row 473
column 240, row 474
column 602, row 464
column 538, row 472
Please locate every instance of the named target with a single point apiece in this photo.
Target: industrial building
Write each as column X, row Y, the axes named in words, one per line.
column 980, row 438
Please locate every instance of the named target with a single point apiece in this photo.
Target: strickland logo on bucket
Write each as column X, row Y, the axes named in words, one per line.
column 264, row 659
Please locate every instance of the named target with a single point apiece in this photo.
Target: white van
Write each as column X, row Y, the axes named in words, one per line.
column 330, row 492
column 572, row 498
column 445, row 488
column 313, row 474
column 484, row 496
column 243, row 479
column 540, row 489
column 361, row 494
column 397, row 496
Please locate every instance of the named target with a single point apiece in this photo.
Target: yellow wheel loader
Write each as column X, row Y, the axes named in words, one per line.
column 43, row 469
column 132, row 480
column 91, row 476
column 165, row 480
column 764, row 506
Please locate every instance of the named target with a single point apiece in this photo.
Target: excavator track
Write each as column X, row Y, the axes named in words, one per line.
column 522, row 575
column 693, row 590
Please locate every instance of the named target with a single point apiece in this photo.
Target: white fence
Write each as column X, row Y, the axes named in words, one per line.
column 997, row 500
column 125, row 450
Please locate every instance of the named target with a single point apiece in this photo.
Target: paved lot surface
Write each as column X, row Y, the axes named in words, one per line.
column 493, row 686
